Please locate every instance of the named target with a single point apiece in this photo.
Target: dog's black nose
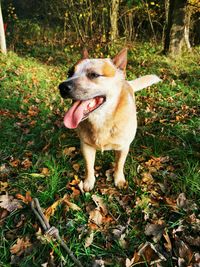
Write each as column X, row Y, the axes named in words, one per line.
column 65, row 88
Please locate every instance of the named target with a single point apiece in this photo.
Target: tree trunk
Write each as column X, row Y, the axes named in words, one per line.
column 176, row 24
column 187, row 29
column 2, row 34
column 114, row 19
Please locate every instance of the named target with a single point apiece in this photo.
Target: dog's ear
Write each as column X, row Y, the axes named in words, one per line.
column 85, row 54
column 120, row 60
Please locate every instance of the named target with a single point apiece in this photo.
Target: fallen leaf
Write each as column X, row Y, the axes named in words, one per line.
column 100, row 204
column 25, row 199
column 20, row 247
column 109, row 174
column 136, row 258
column 33, row 111
column 98, row 263
column 89, row 239
column 3, row 214
column 37, row 175
column 150, row 253
column 26, row 163
column 167, row 245
column 51, row 210
column 45, row 171
column 68, row 151
column 95, row 217
column 3, row 186
column 15, row 163
column 71, row 205
column 183, row 251
column 147, row 178
column 4, row 170
column 80, row 186
column 155, row 230
column 171, row 202
column 9, row 203
column 184, row 203
column 76, row 167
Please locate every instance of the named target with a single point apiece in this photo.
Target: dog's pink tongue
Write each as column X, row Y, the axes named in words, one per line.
column 75, row 114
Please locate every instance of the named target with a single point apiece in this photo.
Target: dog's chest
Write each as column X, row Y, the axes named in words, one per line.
column 110, row 136
column 101, row 138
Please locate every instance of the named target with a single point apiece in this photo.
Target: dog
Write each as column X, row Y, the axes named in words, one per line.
column 103, row 110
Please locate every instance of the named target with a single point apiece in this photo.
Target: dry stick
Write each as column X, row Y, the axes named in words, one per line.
column 52, row 231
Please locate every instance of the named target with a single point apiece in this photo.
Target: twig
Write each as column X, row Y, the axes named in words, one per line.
column 51, row 231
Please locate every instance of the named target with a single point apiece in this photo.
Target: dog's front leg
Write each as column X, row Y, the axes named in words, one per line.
column 89, row 153
column 119, row 177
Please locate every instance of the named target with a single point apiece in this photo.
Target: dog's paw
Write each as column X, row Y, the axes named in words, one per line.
column 121, row 183
column 88, row 184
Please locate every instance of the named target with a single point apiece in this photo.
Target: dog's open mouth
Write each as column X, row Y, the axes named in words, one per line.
column 80, row 110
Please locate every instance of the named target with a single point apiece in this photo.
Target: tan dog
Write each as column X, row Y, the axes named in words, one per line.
column 103, row 110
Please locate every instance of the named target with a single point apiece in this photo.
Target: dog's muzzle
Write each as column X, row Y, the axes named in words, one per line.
column 66, row 88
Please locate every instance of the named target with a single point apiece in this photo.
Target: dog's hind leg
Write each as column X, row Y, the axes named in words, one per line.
column 89, row 153
column 119, row 177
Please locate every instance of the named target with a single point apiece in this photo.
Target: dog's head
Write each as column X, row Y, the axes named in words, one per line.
column 91, row 84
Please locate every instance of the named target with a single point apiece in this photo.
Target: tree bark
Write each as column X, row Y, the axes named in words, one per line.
column 187, row 29
column 176, row 25
column 2, row 34
column 114, row 19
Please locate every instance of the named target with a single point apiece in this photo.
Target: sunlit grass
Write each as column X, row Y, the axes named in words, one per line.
column 41, row 138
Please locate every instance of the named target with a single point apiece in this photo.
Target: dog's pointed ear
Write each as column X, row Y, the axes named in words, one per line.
column 85, row 54
column 120, row 60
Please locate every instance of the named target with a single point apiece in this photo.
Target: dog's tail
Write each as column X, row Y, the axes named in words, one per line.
column 143, row 82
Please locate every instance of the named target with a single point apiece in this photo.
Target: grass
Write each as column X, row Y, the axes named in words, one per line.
column 33, row 158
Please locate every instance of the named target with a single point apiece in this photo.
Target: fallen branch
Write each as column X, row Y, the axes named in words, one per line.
column 51, row 231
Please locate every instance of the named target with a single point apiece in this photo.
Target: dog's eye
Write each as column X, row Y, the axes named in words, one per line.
column 93, row 75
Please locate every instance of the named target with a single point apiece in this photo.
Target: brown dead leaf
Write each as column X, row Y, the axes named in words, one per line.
column 26, row 164
column 150, row 253
column 184, row 203
column 98, row 263
column 109, row 174
column 20, row 247
column 168, row 244
column 3, row 214
column 136, row 258
column 183, row 251
column 21, row 221
column 111, row 191
column 147, row 178
column 76, row 167
column 155, row 164
column 45, row 171
column 171, row 202
column 51, row 210
column 100, row 204
column 68, row 151
column 71, row 205
column 33, row 111
column 46, row 147
column 95, row 217
column 154, row 230
column 3, row 186
column 25, row 199
column 89, row 239
column 9, row 203
column 15, row 163
column 43, row 238
column 4, row 171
